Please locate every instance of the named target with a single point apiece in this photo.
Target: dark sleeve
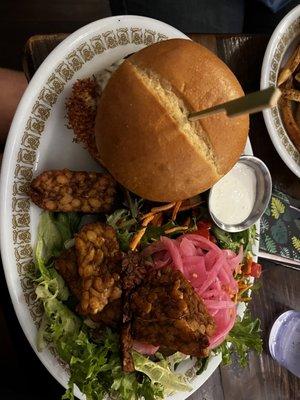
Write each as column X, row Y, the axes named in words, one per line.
column 275, row 5
column 189, row 16
column 261, row 18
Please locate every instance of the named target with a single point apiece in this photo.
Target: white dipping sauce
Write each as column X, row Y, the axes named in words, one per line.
column 232, row 198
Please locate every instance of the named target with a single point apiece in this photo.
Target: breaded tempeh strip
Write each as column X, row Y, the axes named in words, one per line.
column 64, row 190
column 81, row 113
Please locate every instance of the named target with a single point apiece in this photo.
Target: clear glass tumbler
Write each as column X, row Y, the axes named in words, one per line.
column 284, row 341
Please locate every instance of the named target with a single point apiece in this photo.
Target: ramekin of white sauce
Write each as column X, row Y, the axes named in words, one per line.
column 239, row 199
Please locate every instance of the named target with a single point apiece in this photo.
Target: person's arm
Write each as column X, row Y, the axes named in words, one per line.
column 12, row 86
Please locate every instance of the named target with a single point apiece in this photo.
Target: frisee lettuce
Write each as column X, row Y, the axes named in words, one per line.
column 246, row 333
column 124, row 224
column 58, row 321
column 95, row 368
column 54, row 230
column 125, row 220
column 233, row 241
column 58, row 325
column 171, row 361
column 201, row 365
column 160, row 374
column 243, row 337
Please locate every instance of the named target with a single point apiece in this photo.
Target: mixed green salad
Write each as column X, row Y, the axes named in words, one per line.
column 93, row 356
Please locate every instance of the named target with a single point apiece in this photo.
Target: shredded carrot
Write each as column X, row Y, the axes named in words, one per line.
column 165, row 207
column 246, row 299
column 147, row 220
column 176, row 229
column 137, row 238
column 189, row 206
column 245, row 286
column 175, row 210
column 149, row 214
column 244, row 289
column 156, row 210
column 157, row 220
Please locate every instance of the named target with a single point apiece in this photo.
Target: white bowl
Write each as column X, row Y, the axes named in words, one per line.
column 283, row 41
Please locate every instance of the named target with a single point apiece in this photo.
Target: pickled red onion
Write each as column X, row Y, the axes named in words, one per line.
column 209, row 269
column 144, row 348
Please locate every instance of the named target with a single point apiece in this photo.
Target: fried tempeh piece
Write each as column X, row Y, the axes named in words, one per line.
column 97, row 252
column 65, row 190
column 67, row 266
column 166, row 311
column 111, row 315
column 81, row 113
column 133, row 270
column 126, row 346
column 133, row 273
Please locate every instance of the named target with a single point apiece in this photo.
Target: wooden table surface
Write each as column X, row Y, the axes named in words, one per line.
column 263, row 379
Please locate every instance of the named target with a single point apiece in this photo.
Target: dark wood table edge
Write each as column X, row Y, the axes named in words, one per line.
column 29, row 67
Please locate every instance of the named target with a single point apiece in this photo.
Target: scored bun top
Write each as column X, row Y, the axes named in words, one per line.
column 142, row 132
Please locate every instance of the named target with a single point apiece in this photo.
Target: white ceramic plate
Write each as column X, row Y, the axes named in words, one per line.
column 39, row 140
column 283, row 41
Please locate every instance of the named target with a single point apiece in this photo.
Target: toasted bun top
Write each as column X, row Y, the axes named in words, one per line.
column 142, row 132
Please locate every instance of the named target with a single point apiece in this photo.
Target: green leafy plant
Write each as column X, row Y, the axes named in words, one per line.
column 123, row 223
column 160, row 374
column 243, row 337
column 233, row 241
column 54, row 230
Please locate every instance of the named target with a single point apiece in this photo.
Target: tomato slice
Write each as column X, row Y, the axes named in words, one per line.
column 255, row 270
column 203, row 229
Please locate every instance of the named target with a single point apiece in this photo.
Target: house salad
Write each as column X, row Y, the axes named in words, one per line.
column 213, row 266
